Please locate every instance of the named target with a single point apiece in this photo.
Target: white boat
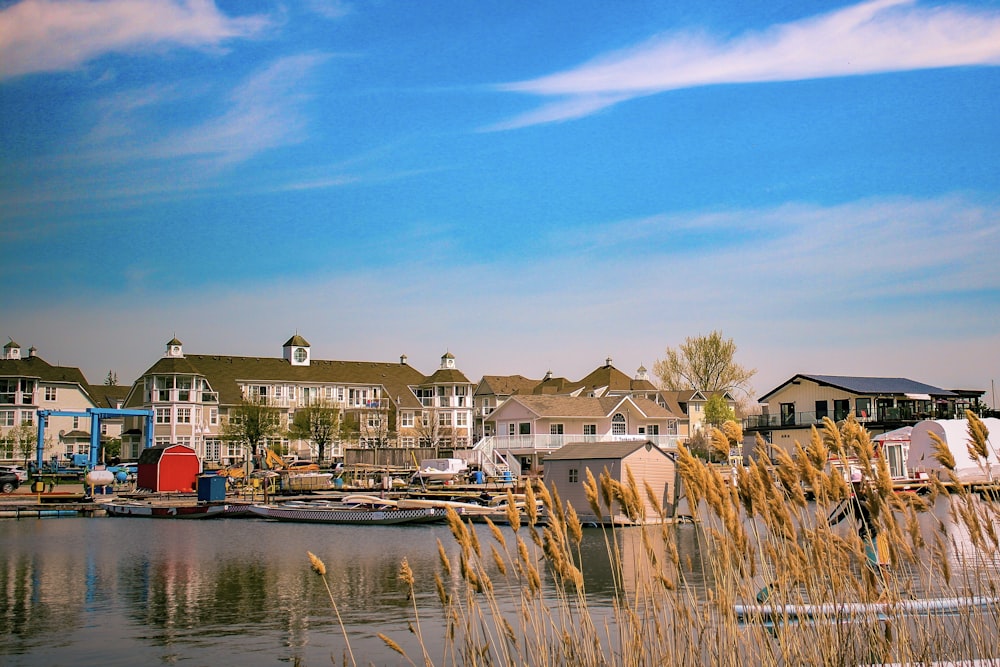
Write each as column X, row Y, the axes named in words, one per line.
column 440, row 470
column 344, row 513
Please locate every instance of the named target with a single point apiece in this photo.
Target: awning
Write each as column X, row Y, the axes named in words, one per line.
column 919, row 397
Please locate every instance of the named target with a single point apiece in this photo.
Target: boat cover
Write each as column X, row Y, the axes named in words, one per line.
column 955, row 433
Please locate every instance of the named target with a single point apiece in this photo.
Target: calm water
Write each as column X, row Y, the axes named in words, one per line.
column 118, row 591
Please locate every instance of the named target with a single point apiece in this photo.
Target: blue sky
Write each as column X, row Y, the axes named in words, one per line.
column 530, row 186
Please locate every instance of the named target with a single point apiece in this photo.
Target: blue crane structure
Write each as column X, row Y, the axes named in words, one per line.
column 95, row 415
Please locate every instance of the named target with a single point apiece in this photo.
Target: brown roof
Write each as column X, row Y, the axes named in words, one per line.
column 447, row 376
column 224, row 374
column 108, row 396
column 605, row 376
column 551, row 386
column 36, row 367
column 674, row 402
column 506, row 385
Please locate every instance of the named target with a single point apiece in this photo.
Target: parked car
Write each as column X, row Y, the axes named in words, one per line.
column 22, row 474
column 8, row 482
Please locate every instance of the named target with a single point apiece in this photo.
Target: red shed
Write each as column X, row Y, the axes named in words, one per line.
column 168, row 468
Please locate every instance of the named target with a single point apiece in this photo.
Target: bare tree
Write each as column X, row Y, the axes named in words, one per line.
column 376, row 424
column 319, row 423
column 706, row 363
column 252, row 423
column 434, row 429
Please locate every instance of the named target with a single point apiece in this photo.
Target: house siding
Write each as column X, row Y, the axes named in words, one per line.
column 647, row 466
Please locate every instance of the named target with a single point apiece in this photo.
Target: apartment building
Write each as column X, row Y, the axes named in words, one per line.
column 382, row 403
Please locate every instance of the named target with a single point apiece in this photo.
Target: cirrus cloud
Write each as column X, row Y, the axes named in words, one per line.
column 868, row 38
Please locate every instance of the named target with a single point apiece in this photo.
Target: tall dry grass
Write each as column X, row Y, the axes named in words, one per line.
column 517, row 596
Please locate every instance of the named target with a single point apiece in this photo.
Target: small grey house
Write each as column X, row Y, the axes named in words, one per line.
column 566, row 470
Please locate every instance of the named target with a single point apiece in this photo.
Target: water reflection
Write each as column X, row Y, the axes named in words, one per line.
column 135, row 591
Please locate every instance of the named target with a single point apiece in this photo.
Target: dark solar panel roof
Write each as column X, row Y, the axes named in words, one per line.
column 869, row 385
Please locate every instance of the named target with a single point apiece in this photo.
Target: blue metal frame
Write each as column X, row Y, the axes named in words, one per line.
column 95, row 415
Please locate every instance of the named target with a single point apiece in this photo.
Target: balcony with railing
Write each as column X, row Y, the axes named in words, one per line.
column 545, row 442
column 883, row 415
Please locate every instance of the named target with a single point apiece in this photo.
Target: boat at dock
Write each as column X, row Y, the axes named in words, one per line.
column 843, row 611
column 303, row 482
column 154, row 510
column 356, row 510
column 440, row 470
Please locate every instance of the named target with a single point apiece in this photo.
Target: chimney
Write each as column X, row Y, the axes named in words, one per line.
column 402, row 360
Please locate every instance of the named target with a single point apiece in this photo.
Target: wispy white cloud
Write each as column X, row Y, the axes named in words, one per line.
column 265, row 112
column 329, row 9
column 56, row 35
column 879, row 287
column 872, row 37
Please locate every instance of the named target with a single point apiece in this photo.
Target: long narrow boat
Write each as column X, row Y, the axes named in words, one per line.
column 791, row 613
column 346, row 514
column 162, row 511
column 496, row 512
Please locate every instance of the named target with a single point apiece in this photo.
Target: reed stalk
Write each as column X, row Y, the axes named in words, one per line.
column 518, row 596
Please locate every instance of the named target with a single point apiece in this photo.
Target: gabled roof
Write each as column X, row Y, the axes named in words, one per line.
column 676, row 401
column 36, row 367
column 617, row 449
column 583, row 406
column 505, row 385
column 108, row 396
column 865, row 386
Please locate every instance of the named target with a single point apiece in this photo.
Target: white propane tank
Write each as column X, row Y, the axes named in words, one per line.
column 100, row 478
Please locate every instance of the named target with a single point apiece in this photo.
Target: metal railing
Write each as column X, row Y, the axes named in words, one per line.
column 882, row 415
column 543, row 442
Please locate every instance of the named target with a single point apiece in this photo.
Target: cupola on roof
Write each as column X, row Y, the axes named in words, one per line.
column 296, row 341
